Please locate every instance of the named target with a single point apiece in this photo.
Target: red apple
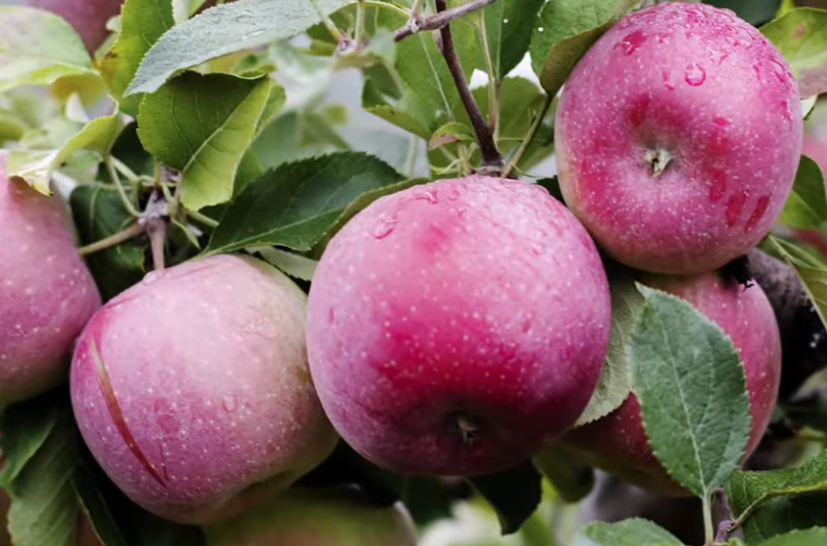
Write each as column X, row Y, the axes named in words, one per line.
column 678, row 137
column 88, row 17
column 618, row 444
column 192, row 390
column 46, row 291
column 323, row 517
column 456, row 326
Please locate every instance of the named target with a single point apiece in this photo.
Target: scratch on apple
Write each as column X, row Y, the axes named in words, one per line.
column 117, row 415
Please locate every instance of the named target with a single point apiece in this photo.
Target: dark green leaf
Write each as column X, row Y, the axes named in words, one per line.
column 809, row 411
column 806, row 206
column 98, row 213
column 690, row 383
column 752, row 11
column 38, row 48
column 202, row 125
column 572, row 479
column 630, row 532
column 514, row 494
column 801, row 36
column 810, row 537
column 244, row 24
column 142, row 23
column 811, row 271
column 296, row 204
column 565, row 30
column 25, row 426
column 508, row 26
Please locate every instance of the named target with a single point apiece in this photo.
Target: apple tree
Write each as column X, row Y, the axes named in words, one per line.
column 400, row 272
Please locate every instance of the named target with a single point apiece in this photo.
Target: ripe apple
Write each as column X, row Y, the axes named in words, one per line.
column 192, row 390
column 46, row 291
column 618, row 444
column 678, row 137
column 88, row 17
column 327, row 517
column 456, row 326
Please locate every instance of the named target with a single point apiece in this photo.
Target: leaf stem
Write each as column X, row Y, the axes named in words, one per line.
column 439, row 20
column 133, row 230
column 113, row 174
column 361, row 14
column 532, row 134
column 390, row 7
column 491, row 158
column 202, row 219
column 493, row 84
column 329, row 24
column 709, row 528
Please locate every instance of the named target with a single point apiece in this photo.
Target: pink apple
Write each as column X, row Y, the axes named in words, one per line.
column 46, row 291
column 323, row 517
column 678, row 137
column 88, row 17
column 192, row 390
column 618, row 444
column 456, row 326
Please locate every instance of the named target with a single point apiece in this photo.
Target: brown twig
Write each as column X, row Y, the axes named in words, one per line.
column 440, row 20
column 492, row 160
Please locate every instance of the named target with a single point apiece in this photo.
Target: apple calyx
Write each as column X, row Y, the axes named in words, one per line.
column 659, row 159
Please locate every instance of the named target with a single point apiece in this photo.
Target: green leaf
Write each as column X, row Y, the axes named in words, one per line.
column 25, row 426
column 630, row 532
column 514, row 494
column 296, row 204
column 120, row 522
column 565, row 31
column 615, row 382
column 773, row 502
column 811, row 271
column 752, row 11
column 142, row 23
column 202, row 125
column 806, row 207
column 451, row 132
column 508, row 26
column 36, row 167
column 405, row 114
column 44, row 507
column 98, row 213
column 801, row 36
column 809, row 411
column 572, row 479
column 244, row 24
column 810, row 537
column 38, row 48
column 689, row 380
column 295, row 265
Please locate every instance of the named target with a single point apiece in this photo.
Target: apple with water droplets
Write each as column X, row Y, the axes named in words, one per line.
column 192, row 390
column 456, row 326
column 678, row 137
column 326, row 517
column 88, row 17
column 46, row 291
column 618, row 444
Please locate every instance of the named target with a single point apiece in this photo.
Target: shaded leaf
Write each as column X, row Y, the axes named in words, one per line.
column 689, row 380
column 451, row 132
column 202, row 125
column 811, row 271
column 514, row 494
column 809, row 537
column 572, row 479
column 37, row 48
column 630, row 532
column 806, row 207
column 508, row 26
column 25, row 426
column 801, row 36
column 295, row 265
column 752, row 11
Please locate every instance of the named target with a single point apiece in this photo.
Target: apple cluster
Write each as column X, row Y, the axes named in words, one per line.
column 453, row 328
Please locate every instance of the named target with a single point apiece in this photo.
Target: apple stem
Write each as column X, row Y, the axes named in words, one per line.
column 468, row 428
column 492, row 161
column 659, row 159
column 155, row 220
column 417, row 23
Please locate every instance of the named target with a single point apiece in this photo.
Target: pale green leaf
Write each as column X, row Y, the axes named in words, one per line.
column 806, row 206
column 630, row 532
column 801, row 37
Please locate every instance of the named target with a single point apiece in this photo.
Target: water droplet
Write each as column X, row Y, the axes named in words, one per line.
column 453, row 194
column 538, row 248
column 429, row 196
column 228, row 403
column 525, row 324
column 541, row 30
column 718, row 56
column 151, row 277
column 695, row 74
column 631, row 42
column 667, row 80
column 385, row 227
column 720, row 121
column 508, row 350
column 168, row 423
column 505, row 21
column 780, row 71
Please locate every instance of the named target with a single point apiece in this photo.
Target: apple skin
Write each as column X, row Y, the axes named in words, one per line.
column 88, row 17
column 618, row 444
column 324, row 517
column 200, row 403
column 46, row 292
column 707, row 92
column 456, row 326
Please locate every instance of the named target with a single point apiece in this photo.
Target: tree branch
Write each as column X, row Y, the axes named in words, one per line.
column 440, row 20
column 491, row 157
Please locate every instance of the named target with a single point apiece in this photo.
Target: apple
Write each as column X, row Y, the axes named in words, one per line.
column 46, row 291
column 88, row 17
column 327, row 517
column 192, row 390
column 678, row 137
column 455, row 327
column 618, row 444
